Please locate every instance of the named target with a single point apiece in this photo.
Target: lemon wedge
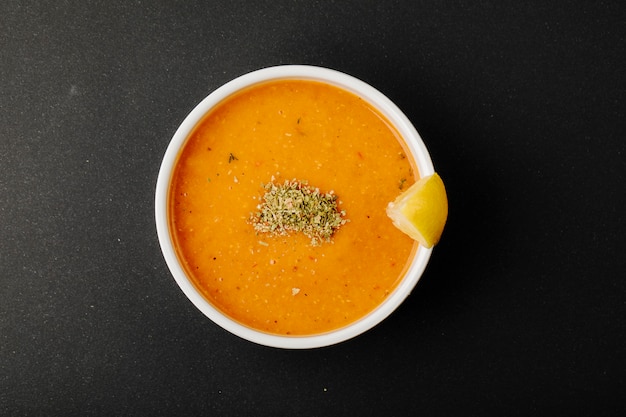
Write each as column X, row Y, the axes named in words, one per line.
column 422, row 210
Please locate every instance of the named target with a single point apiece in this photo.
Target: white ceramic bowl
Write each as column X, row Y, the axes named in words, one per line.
column 361, row 89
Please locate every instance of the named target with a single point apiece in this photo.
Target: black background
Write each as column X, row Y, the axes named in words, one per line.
column 522, row 310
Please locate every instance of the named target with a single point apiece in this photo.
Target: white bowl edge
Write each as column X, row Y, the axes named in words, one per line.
column 342, row 80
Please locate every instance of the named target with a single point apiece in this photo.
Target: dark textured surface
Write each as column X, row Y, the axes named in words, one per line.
column 522, row 310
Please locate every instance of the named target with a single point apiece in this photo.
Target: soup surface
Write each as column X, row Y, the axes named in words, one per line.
column 279, row 131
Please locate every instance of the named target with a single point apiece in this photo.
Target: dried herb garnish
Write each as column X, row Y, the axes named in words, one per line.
column 294, row 206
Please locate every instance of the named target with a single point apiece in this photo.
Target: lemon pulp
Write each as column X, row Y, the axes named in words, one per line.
column 422, row 210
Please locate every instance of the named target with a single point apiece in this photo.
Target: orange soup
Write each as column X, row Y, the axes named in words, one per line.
column 285, row 130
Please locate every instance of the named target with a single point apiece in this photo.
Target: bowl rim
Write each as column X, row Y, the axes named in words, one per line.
column 302, row 72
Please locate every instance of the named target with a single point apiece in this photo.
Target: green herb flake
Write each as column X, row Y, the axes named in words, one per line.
column 294, row 206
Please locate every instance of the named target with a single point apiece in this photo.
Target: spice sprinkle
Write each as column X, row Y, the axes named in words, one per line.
column 294, row 206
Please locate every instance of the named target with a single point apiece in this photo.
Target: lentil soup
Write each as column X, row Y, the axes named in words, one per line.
column 269, row 133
